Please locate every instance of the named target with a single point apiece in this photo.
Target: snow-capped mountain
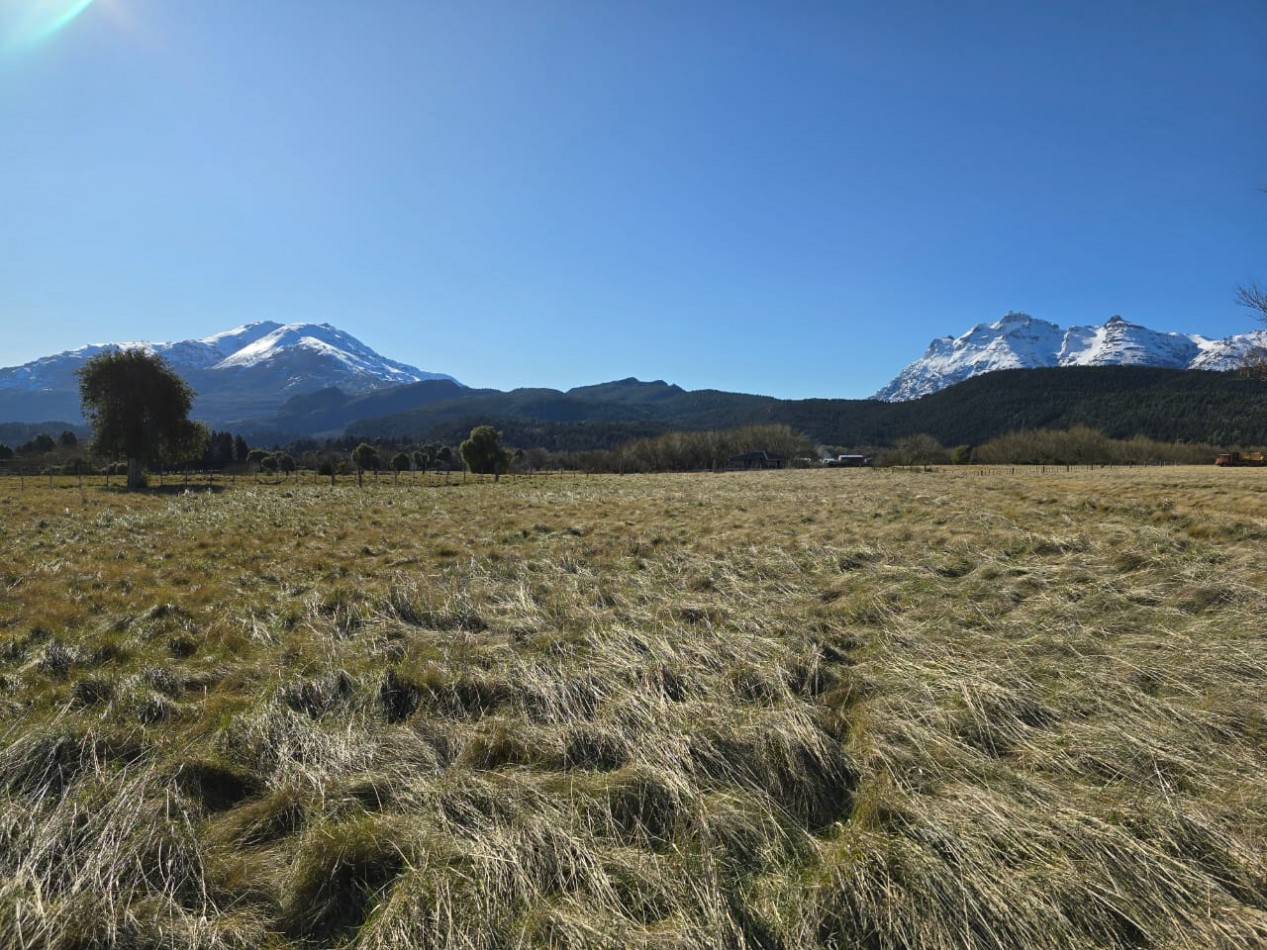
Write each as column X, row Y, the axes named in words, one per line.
column 245, row 372
column 1019, row 341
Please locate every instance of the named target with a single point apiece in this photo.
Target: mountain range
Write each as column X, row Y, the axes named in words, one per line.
column 1019, row 341
column 239, row 375
column 278, row 382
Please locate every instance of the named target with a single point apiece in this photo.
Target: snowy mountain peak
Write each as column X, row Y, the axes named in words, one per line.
column 312, row 336
column 230, row 341
column 1014, row 318
column 1019, row 341
column 253, row 366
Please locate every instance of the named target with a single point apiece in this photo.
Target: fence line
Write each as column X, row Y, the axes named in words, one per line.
column 199, row 480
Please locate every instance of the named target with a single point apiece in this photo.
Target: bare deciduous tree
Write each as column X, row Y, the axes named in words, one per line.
column 1254, row 296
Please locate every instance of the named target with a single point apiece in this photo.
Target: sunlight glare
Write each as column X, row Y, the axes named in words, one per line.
column 39, row 21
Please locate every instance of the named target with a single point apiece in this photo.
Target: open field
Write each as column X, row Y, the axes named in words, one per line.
column 873, row 709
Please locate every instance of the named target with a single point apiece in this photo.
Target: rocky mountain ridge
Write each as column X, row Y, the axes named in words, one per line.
column 1020, row 341
column 240, row 373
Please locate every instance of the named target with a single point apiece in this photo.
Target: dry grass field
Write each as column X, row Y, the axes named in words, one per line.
column 874, row 709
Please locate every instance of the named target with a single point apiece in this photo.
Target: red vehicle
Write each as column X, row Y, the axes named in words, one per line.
column 1240, row 458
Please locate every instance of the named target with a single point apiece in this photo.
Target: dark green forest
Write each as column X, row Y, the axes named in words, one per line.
column 1120, row 401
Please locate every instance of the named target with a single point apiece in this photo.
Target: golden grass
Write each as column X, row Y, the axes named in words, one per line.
column 779, row 710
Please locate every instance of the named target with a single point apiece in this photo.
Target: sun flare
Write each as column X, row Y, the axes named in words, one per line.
column 33, row 23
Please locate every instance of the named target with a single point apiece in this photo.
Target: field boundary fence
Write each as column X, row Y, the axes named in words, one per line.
column 19, row 474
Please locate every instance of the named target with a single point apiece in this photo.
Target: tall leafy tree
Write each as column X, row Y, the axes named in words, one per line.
column 139, row 409
column 364, row 456
column 400, row 463
column 483, row 452
column 41, row 444
column 219, row 451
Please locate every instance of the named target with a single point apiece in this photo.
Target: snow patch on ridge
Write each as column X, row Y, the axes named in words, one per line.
column 1019, row 341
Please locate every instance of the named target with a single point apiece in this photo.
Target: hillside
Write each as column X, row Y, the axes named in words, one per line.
column 1122, row 401
column 1166, row 404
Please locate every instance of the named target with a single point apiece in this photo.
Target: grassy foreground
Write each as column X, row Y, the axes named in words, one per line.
column 776, row 710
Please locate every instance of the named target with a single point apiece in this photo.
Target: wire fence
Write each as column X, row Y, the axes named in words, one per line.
column 16, row 474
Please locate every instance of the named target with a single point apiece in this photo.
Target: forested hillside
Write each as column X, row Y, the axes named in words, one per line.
column 1121, row 401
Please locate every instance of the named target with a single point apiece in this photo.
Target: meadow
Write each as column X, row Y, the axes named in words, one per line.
column 846, row 708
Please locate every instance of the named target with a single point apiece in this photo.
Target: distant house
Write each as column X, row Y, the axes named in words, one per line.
column 747, row 460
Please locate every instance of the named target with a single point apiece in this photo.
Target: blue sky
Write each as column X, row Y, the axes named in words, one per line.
column 791, row 199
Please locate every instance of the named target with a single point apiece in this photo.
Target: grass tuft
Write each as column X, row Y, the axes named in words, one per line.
column 341, row 872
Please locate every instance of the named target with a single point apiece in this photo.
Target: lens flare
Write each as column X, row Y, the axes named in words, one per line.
column 40, row 24
column 63, row 21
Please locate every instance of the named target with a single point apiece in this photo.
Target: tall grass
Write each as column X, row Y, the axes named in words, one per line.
column 776, row 710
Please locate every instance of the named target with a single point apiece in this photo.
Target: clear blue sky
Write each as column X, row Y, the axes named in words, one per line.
column 786, row 198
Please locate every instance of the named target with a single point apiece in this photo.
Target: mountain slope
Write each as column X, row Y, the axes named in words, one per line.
column 1019, row 341
column 627, row 405
column 1122, row 401
column 238, row 374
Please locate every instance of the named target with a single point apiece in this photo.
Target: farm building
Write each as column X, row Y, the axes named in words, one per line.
column 747, row 460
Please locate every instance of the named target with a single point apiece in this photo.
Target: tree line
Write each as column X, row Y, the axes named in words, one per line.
column 1077, row 445
column 697, row 451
